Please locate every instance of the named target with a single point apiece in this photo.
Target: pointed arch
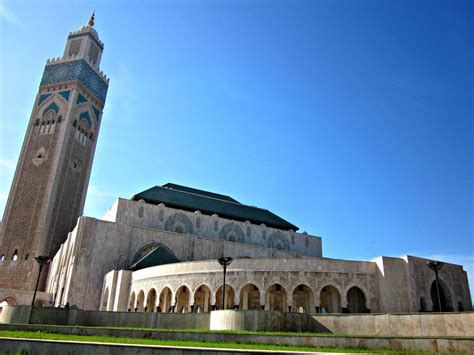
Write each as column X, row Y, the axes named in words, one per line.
column 303, row 298
column 330, row 299
column 51, row 107
column 365, row 292
column 229, row 296
column 160, row 254
column 278, row 241
column 445, row 298
column 140, row 307
column 165, row 299
column 250, row 296
column 151, row 300
column 232, row 233
column 201, row 298
column 356, row 300
column 276, row 298
column 10, row 300
column 85, row 119
column 183, row 299
column 180, row 220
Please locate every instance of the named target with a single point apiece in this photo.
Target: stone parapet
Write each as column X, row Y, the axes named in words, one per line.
column 110, row 322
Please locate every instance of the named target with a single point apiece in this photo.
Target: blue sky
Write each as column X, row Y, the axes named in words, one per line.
column 351, row 119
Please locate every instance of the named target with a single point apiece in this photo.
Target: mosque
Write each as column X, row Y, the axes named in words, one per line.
column 159, row 250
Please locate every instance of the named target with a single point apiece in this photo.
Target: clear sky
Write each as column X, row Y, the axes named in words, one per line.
column 351, row 119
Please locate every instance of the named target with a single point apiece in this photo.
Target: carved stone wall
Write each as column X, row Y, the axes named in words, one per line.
column 263, row 275
column 161, row 217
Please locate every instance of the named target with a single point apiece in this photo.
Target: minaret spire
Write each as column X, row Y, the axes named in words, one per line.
column 91, row 20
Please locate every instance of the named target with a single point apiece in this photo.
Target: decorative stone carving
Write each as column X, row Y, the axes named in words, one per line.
column 278, row 241
column 179, row 219
column 232, row 233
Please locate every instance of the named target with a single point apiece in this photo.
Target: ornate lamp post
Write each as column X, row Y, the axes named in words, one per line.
column 224, row 261
column 436, row 266
column 42, row 261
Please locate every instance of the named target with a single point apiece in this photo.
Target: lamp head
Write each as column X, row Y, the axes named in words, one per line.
column 435, row 265
column 225, row 260
column 43, row 260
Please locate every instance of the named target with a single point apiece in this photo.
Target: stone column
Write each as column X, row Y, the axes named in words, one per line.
column 165, row 301
column 206, row 300
column 289, row 303
column 173, row 302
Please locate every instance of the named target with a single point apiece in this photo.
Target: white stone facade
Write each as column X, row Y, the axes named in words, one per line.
column 90, row 270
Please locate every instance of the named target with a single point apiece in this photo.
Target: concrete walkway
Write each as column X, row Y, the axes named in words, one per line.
column 56, row 346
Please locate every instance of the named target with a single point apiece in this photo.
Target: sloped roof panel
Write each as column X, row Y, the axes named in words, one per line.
column 210, row 203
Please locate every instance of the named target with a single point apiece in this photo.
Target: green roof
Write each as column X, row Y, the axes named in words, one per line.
column 157, row 256
column 210, row 203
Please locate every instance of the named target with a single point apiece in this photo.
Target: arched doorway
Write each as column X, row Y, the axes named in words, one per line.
column 182, row 300
column 250, row 297
column 7, row 301
column 40, row 303
column 165, row 300
column 330, row 300
column 229, row 297
column 443, row 297
column 131, row 304
column 275, row 298
column 151, row 301
column 202, row 299
column 140, row 302
column 303, row 299
column 356, row 300
column 152, row 254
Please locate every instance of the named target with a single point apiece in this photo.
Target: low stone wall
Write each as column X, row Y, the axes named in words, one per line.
column 417, row 324
column 64, row 316
column 40, row 315
column 140, row 320
column 431, row 344
column 265, row 321
column 64, row 347
column 409, row 325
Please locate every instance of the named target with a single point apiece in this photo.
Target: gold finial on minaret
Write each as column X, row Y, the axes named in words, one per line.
column 91, row 20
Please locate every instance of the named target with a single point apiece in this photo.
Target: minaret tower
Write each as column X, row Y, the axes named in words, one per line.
column 51, row 178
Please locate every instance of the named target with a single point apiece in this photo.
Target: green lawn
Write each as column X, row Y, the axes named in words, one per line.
column 234, row 345
column 293, row 334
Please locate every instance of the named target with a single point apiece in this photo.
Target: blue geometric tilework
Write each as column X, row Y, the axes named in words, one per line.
column 80, row 99
column 65, row 94
column 51, row 106
column 85, row 116
column 96, row 113
column 76, row 70
column 42, row 98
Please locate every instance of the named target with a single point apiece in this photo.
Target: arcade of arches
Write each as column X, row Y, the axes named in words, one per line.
column 250, row 297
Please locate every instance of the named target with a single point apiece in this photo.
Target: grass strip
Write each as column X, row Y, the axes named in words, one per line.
column 188, row 343
column 243, row 332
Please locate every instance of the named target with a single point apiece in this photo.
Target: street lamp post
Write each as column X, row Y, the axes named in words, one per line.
column 42, row 261
column 224, row 261
column 436, row 266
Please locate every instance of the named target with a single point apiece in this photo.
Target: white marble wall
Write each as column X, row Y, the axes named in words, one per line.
column 161, row 217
